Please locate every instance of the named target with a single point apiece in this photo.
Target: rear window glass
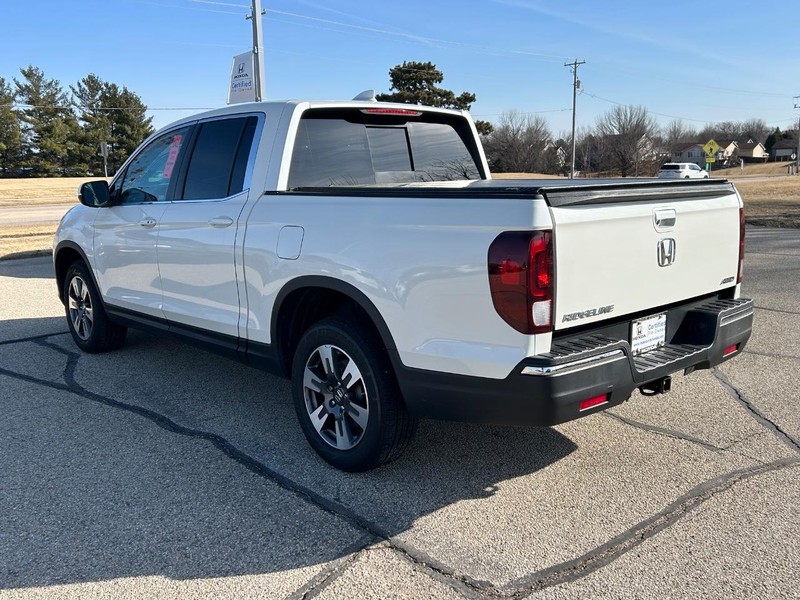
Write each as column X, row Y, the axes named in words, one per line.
column 670, row 167
column 219, row 158
column 352, row 150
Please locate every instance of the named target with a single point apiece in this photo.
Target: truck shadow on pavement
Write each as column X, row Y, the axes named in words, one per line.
column 163, row 460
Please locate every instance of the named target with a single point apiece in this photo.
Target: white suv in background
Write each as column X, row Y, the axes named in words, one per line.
column 681, row 171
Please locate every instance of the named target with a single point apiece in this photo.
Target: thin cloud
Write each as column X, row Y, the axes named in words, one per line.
column 670, row 44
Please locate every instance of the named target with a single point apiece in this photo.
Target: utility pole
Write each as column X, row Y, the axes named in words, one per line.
column 797, row 165
column 258, row 50
column 575, row 85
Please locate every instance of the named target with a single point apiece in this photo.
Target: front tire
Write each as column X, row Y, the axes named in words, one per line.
column 346, row 397
column 91, row 329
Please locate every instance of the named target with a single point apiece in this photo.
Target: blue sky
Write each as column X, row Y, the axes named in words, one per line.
column 678, row 59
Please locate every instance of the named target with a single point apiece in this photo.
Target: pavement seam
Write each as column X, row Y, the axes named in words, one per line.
column 331, row 507
column 674, row 434
column 739, row 396
column 464, row 587
column 670, row 433
column 603, row 555
column 328, row 575
column 768, row 355
column 32, row 338
column 777, row 310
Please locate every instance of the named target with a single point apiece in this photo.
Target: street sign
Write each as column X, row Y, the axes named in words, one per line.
column 711, row 148
column 710, row 159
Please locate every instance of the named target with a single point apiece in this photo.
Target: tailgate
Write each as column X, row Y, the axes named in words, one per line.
column 629, row 248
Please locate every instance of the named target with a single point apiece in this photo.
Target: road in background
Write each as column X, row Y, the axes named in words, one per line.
column 32, row 215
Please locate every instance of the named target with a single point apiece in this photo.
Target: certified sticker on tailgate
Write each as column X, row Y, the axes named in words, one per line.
column 648, row 334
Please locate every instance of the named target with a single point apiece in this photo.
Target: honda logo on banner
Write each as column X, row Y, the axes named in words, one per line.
column 242, row 87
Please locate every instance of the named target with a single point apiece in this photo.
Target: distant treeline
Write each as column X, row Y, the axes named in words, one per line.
column 48, row 131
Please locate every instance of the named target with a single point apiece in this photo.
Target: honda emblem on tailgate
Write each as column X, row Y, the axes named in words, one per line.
column 666, row 252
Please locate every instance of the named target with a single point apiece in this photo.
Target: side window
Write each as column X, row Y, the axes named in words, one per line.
column 219, row 159
column 149, row 174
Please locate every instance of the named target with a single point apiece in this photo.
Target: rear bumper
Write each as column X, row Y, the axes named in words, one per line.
column 548, row 389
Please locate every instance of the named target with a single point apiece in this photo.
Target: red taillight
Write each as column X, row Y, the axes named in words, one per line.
column 730, row 350
column 741, row 245
column 521, row 279
column 592, row 402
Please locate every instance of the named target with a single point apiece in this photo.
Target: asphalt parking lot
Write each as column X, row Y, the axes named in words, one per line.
column 163, row 471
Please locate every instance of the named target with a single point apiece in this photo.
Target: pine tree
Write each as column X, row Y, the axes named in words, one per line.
column 87, row 97
column 50, row 129
column 10, row 133
column 129, row 123
column 415, row 82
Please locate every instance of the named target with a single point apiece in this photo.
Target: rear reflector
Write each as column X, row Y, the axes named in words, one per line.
column 592, row 402
column 730, row 350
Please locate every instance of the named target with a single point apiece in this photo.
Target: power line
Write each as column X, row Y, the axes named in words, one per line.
column 652, row 112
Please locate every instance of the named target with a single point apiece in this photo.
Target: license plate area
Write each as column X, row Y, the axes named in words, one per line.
column 648, row 333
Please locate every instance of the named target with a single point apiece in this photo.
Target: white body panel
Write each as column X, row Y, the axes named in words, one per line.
column 126, row 266
column 196, row 263
column 422, row 262
column 607, row 255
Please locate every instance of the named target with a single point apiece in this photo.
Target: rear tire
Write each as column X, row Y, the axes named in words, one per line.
column 91, row 329
column 346, row 397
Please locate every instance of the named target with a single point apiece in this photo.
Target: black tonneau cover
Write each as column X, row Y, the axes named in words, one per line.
column 556, row 192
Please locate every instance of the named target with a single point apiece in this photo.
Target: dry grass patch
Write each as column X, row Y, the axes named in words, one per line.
column 45, row 190
column 26, row 240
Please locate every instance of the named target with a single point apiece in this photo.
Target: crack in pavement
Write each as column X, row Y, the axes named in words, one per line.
column 33, row 338
column 679, row 435
column 601, row 556
column 777, row 310
column 562, row 573
column 670, row 433
column 757, row 414
column 333, row 571
column 770, row 355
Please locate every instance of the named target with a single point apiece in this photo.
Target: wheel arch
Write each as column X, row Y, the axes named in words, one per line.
column 65, row 254
column 309, row 299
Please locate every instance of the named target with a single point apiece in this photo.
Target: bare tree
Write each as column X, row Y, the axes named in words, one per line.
column 626, row 131
column 675, row 133
column 518, row 142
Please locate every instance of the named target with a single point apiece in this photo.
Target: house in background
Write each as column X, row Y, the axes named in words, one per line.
column 753, row 152
column 783, row 149
column 689, row 152
column 728, row 149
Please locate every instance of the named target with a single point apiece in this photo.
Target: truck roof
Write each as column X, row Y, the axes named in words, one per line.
column 277, row 107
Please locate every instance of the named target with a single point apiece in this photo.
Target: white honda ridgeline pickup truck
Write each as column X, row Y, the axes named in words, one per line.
column 363, row 250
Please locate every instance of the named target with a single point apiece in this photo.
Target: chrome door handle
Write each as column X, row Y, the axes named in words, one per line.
column 220, row 222
column 148, row 222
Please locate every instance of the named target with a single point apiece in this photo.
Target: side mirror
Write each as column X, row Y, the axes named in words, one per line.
column 94, row 194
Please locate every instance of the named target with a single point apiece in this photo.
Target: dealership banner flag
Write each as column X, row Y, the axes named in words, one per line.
column 242, row 87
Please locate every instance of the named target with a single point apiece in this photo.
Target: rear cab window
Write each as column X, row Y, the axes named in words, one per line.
column 354, row 147
column 218, row 159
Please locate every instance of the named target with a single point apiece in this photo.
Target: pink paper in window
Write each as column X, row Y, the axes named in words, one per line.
column 174, row 148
